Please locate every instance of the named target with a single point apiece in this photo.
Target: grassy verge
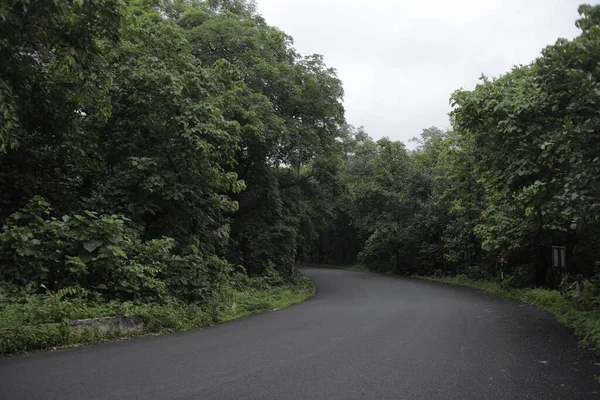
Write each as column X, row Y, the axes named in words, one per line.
column 358, row 268
column 585, row 322
column 23, row 324
column 253, row 301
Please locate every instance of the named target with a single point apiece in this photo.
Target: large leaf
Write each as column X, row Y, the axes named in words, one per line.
column 92, row 245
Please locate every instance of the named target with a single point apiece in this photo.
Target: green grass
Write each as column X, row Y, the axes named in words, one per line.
column 31, row 338
column 24, row 325
column 584, row 322
column 253, row 301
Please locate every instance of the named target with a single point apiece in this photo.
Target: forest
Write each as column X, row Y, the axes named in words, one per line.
column 517, row 174
column 164, row 158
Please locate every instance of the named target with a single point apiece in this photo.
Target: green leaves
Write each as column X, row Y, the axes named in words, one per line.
column 531, row 129
column 40, row 64
column 92, row 245
column 57, row 254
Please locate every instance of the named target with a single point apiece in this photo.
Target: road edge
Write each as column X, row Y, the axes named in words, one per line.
column 584, row 323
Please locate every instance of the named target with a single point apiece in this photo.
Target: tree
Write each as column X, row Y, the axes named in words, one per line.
column 532, row 132
column 289, row 112
column 53, row 50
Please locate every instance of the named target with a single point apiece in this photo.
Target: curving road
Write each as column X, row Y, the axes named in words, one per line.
column 362, row 336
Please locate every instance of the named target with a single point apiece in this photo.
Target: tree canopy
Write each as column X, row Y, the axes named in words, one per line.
column 166, row 145
column 516, row 175
column 191, row 125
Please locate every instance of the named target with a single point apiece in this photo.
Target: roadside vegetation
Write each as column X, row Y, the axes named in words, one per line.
column 158, row 159
column 175, row 159
column 40, row 321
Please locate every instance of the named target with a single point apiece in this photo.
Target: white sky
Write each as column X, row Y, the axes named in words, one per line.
column 400, row 60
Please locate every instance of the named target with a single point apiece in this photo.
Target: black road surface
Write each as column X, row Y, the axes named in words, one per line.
column 362, row 336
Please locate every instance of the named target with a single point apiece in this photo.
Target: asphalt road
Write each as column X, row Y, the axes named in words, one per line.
column 362, row 336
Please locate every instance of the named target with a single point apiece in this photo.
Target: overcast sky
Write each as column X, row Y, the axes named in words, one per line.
column 400, row 60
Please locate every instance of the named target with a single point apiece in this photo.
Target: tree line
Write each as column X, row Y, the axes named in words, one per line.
column 517, row 174
column 152, row 149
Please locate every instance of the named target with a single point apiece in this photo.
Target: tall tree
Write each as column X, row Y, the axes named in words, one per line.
column 53, row 73
column 289, row 111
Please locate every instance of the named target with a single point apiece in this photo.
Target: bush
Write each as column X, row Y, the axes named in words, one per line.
column 24, row 315
column 476, row 272
column 54, row 270
column 522, row 276
column 88, row 251
column 20, row 307
column 102, row 255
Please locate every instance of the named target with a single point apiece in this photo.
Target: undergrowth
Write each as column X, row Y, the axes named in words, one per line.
column 40, row 321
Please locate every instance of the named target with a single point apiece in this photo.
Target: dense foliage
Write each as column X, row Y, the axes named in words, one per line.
column 518, row 173
column 150, row 150
column 163, row 152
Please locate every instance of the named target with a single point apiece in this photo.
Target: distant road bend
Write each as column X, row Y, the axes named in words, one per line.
column 362, row 336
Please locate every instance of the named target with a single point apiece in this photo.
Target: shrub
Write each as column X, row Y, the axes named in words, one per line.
column 90, row 251
column 102, row 254
column 476, row 272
